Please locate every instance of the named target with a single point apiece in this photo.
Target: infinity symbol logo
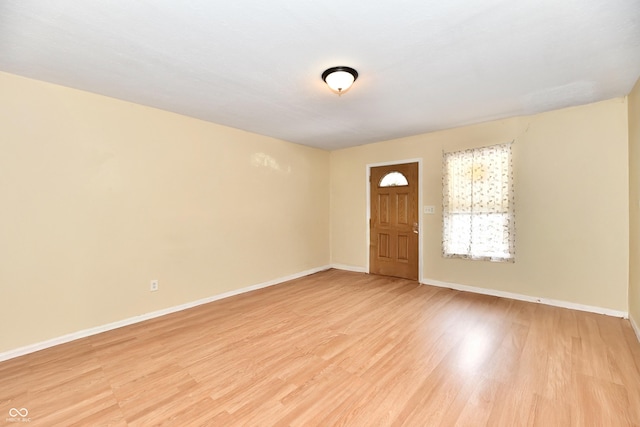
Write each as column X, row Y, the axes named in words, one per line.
column 22, row 412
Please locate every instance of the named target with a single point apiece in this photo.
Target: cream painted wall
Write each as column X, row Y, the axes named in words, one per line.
column 634, row 204
column 100, row 196
column 572, row 208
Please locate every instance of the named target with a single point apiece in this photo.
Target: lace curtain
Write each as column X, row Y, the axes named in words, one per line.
column 478, row 204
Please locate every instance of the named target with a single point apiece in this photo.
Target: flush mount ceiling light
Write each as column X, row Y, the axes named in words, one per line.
column 339, row 79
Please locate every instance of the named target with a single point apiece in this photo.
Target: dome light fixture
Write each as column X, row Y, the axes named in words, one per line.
column 339, row 79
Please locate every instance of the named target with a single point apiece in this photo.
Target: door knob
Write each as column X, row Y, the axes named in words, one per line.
column 415, row 227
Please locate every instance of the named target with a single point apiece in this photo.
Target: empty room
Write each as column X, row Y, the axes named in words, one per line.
column 248, row 213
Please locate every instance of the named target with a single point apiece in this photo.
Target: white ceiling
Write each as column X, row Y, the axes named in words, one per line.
column 255, row 65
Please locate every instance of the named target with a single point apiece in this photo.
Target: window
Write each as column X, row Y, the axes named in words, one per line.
column 393, row 179
column 478, row 204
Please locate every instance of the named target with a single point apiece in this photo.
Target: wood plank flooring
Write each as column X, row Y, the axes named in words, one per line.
column 340, row 348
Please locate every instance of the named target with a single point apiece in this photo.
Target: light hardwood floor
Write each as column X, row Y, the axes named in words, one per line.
column 340, row 348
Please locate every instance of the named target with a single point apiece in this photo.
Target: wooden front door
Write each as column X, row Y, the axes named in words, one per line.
column 393, row 228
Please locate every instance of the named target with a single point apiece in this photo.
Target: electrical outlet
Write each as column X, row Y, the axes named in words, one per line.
column 154, row 286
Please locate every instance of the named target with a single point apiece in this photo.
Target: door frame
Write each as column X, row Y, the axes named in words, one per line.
column 420, row 215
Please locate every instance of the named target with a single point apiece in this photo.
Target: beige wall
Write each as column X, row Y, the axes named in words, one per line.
column 572, row 208
column 100, row 196
column 634, row 204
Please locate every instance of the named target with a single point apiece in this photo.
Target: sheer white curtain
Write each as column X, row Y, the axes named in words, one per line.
column 478, row 204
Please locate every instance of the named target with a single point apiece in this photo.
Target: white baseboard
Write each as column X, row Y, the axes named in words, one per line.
column 349, row 268
column 136, row 319
column 635, row 327
column 520, row 297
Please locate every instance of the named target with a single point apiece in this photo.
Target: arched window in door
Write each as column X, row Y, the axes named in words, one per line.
column 393, row 179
